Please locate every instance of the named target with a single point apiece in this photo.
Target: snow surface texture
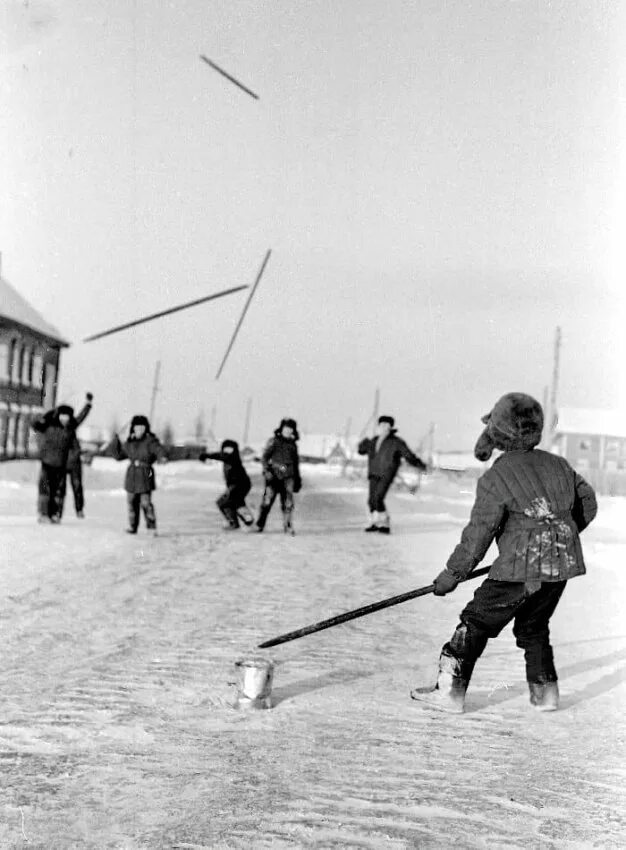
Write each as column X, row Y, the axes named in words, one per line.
column 116, row 725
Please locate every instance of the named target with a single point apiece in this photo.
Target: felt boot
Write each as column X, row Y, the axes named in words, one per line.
column 449, row 692
column 544, row 696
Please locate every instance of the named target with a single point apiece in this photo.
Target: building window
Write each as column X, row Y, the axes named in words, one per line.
column 12, row 356
column 18, row 433
column 4, row 427
column 10, row 437
column 612, row 447
column 49, row 385
column 4, row 362
column 18, row 355
column 37, row 370
column 26, row 367
column 584, row 445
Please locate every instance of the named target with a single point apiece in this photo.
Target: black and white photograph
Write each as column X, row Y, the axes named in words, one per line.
column 312, row 424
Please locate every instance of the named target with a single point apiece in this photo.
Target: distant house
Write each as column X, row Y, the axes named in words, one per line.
column 594, row 442
column 322, row 448
column 30, row 349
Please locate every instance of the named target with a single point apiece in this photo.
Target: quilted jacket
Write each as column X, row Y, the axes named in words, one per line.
column 533, row 504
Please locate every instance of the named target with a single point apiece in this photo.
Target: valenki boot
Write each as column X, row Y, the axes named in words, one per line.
column 544, row 696
column 449, row 692
column 373, row 526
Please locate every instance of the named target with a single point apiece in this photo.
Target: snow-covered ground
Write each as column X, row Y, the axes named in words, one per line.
column 116, row 721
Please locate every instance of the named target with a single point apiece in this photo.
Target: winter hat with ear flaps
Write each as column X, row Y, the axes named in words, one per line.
column 66, row 409
column 289, row 423
column 388, row 419
column 516, row 422
column 140, row 420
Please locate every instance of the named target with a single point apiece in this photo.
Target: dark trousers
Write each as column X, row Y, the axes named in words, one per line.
column 494, row 605
column 51, row 491
column 140, row 502
column 376, row 498
column 273, row 488
column 76, row 480
column 75, row 474
column 230, row 501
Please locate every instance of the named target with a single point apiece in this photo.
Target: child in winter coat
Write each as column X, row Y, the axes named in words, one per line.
column 142, row 449
column 281, row 470
column 384, row 453
column 74, row 467
column 535, row 506
column 232, row 503
column 57, row 437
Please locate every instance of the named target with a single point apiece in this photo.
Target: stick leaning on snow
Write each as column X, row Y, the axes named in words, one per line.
column 361, row 612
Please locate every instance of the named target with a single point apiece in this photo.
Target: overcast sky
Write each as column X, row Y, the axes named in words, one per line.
column 441, row 184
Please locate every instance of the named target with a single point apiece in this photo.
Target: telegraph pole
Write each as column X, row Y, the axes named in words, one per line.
column 155, row 388
column 246, row 430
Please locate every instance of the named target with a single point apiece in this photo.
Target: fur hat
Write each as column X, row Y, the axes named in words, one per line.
column 65, row 408
column 139, row 419
column 515, row 422
column 388, row 419
column 233, row 445
column 289, row 423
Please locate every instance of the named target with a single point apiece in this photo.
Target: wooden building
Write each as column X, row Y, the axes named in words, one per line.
column 594, row 442
column 30, row 350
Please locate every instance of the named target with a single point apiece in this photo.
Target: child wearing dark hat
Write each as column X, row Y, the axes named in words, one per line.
column 232, row 503
column 281, row 470
column 57, row 438
column 535, row 506
column 142, row 449
column 384, row 453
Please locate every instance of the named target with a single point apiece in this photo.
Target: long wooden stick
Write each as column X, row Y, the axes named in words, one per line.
column 241, row 318
column 165, row 313
column 360, row 612
column 228, row 77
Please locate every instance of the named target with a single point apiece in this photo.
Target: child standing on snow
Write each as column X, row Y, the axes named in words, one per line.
column 534, row 505
column 142, row 449
column 384, row 453
column 232, row 503
column 281, row 470
column 57, row 437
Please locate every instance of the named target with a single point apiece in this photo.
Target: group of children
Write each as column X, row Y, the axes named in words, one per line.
column 59, row 451
column 531, row 502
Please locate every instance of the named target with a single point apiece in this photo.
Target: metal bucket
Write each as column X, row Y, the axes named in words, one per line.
column 255, row 677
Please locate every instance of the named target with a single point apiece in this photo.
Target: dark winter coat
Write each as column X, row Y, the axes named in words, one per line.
column 235, row 474
column 382, row 465
column 281, row 460
column 142, row 453
column 55, row 440
column 534, row 505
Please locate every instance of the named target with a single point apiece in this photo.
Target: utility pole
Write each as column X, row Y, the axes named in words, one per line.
column 376, row 406
column 246, row 429
column 555, row 379
column 550, row 395
column 431, row 444
column 155, row 389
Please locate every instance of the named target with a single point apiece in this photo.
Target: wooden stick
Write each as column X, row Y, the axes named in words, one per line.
column 165, row 313
column 361, row 612
column 228, row 77
column 241, row 318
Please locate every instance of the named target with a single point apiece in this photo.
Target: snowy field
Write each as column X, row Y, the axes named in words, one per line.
column 116, row 721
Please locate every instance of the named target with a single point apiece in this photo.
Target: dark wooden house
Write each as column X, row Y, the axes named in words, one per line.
column 30, row 350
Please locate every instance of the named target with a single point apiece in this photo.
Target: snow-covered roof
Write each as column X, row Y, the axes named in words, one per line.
column 17, row 309
column 581, row 420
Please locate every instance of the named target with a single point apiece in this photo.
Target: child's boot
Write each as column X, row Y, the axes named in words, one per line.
column 449, row 692
column 544, row 696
